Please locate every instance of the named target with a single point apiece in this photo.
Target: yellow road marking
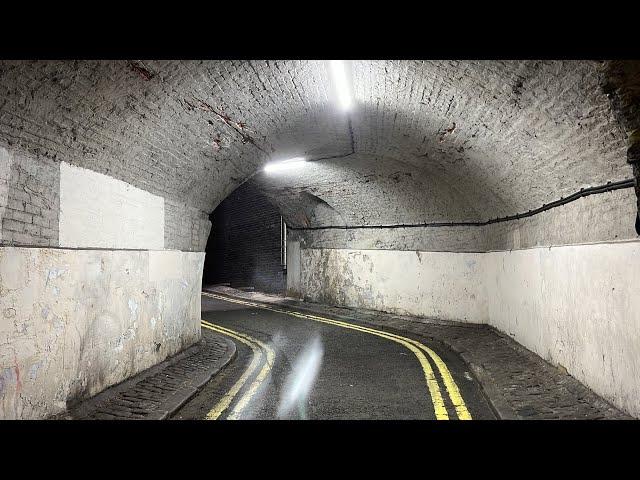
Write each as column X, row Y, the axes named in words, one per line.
column 243, row 402
column 413, row 345
column 432, row 383
column 452, row 389
column 450, row 384
column 228, row 397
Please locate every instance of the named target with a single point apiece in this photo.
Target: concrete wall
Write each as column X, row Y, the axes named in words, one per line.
column 577, row 306
column 73, row 322
column 294, row 272
column 564, row 283
column 430, row 284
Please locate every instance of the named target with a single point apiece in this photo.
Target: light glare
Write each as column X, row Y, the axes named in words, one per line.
column 285, row 164
column 301, row 380
column 339, row 76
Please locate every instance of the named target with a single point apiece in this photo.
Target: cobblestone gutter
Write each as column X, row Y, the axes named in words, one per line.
column 158, row 392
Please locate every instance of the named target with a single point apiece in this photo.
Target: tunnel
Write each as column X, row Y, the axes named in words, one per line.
column 484, row 196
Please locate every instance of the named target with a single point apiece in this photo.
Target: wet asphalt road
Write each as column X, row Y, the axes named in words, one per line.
column 323, row 371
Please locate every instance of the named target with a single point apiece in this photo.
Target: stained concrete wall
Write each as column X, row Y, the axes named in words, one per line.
column 430, row 284
column 73, row 322
column 564, row 282
column 575, row 305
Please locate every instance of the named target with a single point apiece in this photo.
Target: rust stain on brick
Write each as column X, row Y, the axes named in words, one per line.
column 238, row 127
column 141, row 70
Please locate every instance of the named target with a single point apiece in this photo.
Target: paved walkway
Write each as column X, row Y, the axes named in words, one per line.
column 158, row 392
column 518, row 383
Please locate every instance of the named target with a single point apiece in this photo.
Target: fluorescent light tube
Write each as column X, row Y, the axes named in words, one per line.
column 284, row 164
column 343, row 89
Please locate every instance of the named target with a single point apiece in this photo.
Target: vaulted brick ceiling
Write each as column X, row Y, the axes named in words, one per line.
column 432, row 140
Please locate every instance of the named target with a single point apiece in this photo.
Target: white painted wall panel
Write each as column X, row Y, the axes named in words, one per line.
column 100, row 211
column 577, row 306
column 293, row 268
column 431, row 284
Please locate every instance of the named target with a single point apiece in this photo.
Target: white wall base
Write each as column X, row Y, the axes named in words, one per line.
column 430, row 284
column 576, row 306
column 73, row 322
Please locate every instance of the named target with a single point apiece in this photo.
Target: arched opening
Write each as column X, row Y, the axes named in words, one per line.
column 246, row 248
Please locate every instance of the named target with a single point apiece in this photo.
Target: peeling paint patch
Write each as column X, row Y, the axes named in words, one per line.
column 33, row 370
column 129, row 334
column 7, row 376
column 133, row 308
column 58, row 323
column 55, row 273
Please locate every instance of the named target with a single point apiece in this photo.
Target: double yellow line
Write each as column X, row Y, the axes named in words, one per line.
column 259, row 350
column 414, row 346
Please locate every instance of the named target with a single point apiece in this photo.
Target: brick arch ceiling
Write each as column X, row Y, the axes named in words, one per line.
column 431, row 140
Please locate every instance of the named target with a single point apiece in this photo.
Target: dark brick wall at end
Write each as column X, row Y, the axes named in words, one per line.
column 244, row 245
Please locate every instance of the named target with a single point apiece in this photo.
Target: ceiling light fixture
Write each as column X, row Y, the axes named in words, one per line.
column 338, row 71
column 284, row 164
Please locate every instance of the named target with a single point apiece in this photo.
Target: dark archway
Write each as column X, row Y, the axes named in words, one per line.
column 245, row 246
